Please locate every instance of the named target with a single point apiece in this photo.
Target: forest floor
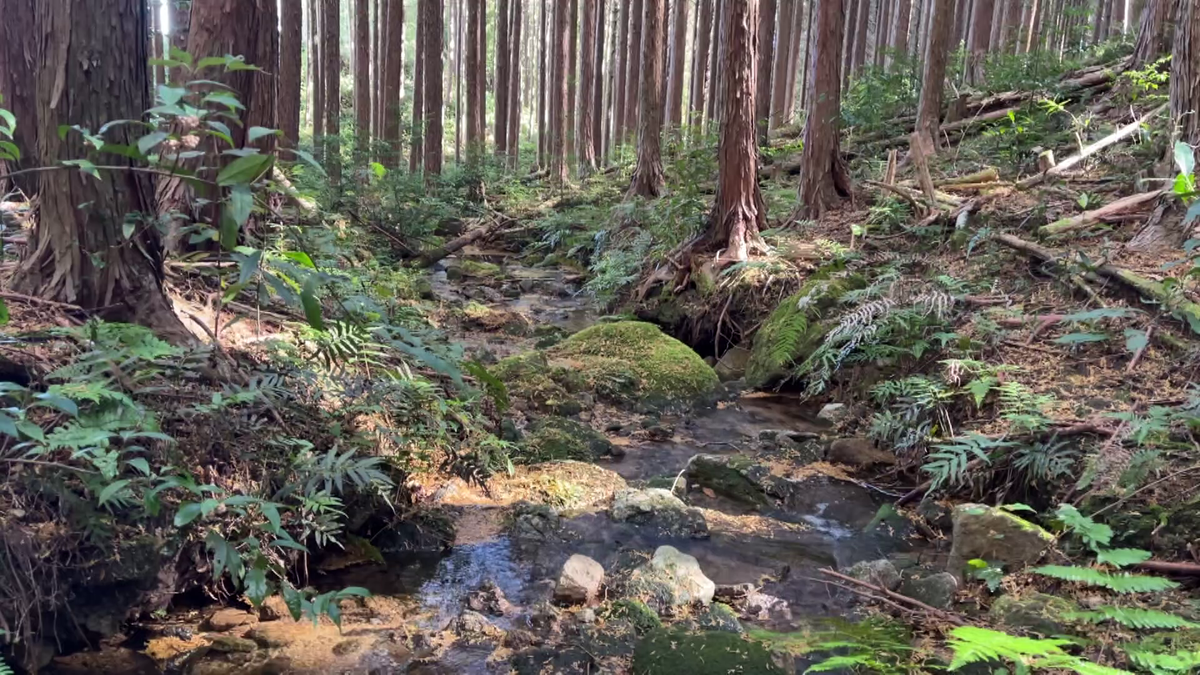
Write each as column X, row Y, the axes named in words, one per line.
column 913, row 352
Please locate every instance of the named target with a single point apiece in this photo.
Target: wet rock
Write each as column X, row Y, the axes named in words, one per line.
column 536, row 385
column 936, row 590
column 669, row 580
column 1036, row 612
column 732, row 365
column 995, row 535
column 720, row 617
column 228, row 619
column 938, row 515
column 544, row 618
column 659, row 433
column 274, row 635
column 834, row 413
column 667, row 652
column 580, row 580
column 880, row 572
column 555, row 438
column 517, row 640
column 732, row 476
column 489, row 599
column 473, row 625
column 765, row 607
column 228, row 644
column 659, row 508
column 553, row 660
column 859, row 453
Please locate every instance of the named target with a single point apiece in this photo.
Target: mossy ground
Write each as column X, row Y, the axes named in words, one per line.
column 665, row 652
column 555, row 438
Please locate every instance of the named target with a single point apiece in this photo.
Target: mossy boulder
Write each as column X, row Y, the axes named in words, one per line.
column 634, row 362
column 476, row 269
column 637, row 613
column 537, row 385
column 666, row 652
column 1038, row 612
column 481, row 317
column 733, row 476
column 995, row 535
column 554, row 438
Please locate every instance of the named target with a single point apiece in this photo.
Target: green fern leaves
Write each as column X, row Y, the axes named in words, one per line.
column 980, row 645
column 1134, row 617
column 1118, row 583
column 1122, row 557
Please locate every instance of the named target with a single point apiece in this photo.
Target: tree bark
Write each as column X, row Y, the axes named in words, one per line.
column 316, row 73
column 860, row 36
column 558, row 99
column 849, row 23
column 824, row 181
column 432, row 20
column 635, row 72
column 937, row 51
column 704, row 19
column 739, row 213
column 766, row 63
column 882, row 21
column 678, row 51
column 392, row 82
column 19, row 65
column 474, row 67
column 156, row 42
column 378, row 23
column 900, row 24
column 791, row 75
column 572, row 77
column 714, row 71
column 1009, row 25
column 610, row 99
column 331, row 40
column 416, row 136
column 648, row 179
column 543, row 92
column 587, row 75
column 1185, row 75
column 1152, row 38
column 291, row 39
column 179, row 15
column 78, row 252
column 597, row 85
column 981, row 35
column 513, row 144
column 362, row 77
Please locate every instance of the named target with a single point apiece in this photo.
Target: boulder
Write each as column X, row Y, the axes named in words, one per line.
column 732, row 365
column 535, row 385
column 659, row 508
column 879, row 572
column 1036, row 612
column 669, row 580
column 489, row 599
column 720, row 617
column 995, row 535
column 834, row 413
column 733, row 476
column 936, row 590
column 859, row 453
column 580, row 580
column 229, row 618
column 473, row 626
column 557, row 438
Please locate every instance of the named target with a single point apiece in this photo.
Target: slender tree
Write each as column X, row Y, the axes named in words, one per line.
column 18, row 69
column 362, row 76
column 1185, row 75
column 862, row 18
column 704, row 20
column 610, row 98
column 394, row 67
column 179, row 16
column 558, row 98
column 624, row 52
column 331, row 40
column 290, row 43
column 474, row 67
column 78, row 252
column 597, row 86
column 416, row 136
column 929, row 107
column 678, row 52
column 481, row 81
column 156, row 43
column 503, row 90
column 900, row 34
column 739, row 213
column 586, row 148
column 378, row 59
column 514, row 96
column 716, row 85
column 316, row 85
column 458, row 78
column 981, row 34
column 793, row 69
column 824, row 181
column 432, row 22
column 766, row 63
column 850, row 23
column 636, row 71
column 806, row 50
column 648, row 179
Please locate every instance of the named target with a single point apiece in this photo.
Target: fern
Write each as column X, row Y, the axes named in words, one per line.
column 948, row 465
column 1161, row 663
column 4, row 669
column 334, row 470
column 981, row 645
column 1095, row 535
column 1134, row 617
column 1118, row 583
column 1122, row 557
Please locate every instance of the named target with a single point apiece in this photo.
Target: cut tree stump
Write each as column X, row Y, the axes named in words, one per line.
column 1122, row 206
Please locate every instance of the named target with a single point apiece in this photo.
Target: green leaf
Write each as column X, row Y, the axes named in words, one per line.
column 379, row 170
column 211, row 61
column 1096, row 314
column 1135, row 340
column 1018, row 507
column 301, row 258
column 10, row 151
column 187, row 513
column 229, row 229
column 84, row 166
column 248, row 266
column 180, row 55
column 256, row 582
column 241, row 202
column 256, row 133
column 112, row 490
column 4, row 317
column 171, row 95
column 294, row 600
column 308, row 159
column 10, row 120
column 150, row 141
column 123, row 151
column 245, row 170
column 1080, row 338
column 128, row 227
column 271, row 511
column 1185, row 159
column 58, row 403
column 224, row 98
column 141, row 465
column 1192, row 214
column 225, row 556
column 312, row 306
column 1119, row 583
column 221, row 130
column 1122, row 557
column 8, row 425
column 31, row 430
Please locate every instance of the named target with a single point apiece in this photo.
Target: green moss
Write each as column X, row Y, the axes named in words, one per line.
column 531, row 380
column 677, row 653
column 795, row 328
column 556, row 438
column 631, row 360
column 478, row 268
column 639, row 614
column 727, row 476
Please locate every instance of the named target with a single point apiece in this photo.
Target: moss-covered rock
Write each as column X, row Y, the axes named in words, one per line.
column 995, row 535
column 631, row 361
column 477, row 316
column 1037, row 612
column 637, row 613
column 536, row 385
column 666, row 652
column 554, row 438
column 733, row 476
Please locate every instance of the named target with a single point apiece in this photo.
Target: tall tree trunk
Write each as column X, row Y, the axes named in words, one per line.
column 331, row 40
column 929, row 107
column 543, row 92
column 502, row 89
column 824, row 181
column 849, row 25
column 610, row 99
column 474, row 67
column 621, row 57
column 636, row 71
column 458, row 79
column 900, row 35
column 648, row 179
column 714, row 71
column 1185, row 75
column 416, row 136
column 362, row 76
column 432, row 20
column 20, row 64
column 481, row 82
column 156, row 42
column 766, row 66
column 806, row 72
column 678, row 51
column 882, row 20
column 291, row 39
column 704, row 20
column 1118, row 24
column 78, row 252
column 997, row 25
column 316, row 106
column 1152, row 39
column 1009, row 26
column 860, row 36
column 1036, row 9
column 792, row 73
column 587, row 75
column 572, row 76
column 981, row 35
column 179, row 15
column 378, row 22
column 739, row 213
column 558, row 98
column 392, row 81
column 597, row 84
column 513, row 143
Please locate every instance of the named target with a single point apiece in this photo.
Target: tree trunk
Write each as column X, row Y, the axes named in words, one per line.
column 291, row 39
column 558, row 98
column 900, row 24
column 937, row 52
column 981, row 35
column 739, row 213
column 156, row 41
column 179, row 15
column 416, row 136
column 543, row 92
column 378, row 22
column 704, row 19
column 610, row 99
column 331, row 41
column 1185, row 75
column 433, row 16
column 393, row 76
column 882, row 20
column 781, row 58
column 860, row 36
column 806, row 72
column 572, row 76
column 791, row 75
column 362, row 77
column 78, row 252
column 678, row 52
column 766, row 67
column 1009, row 25
column 714, row 71
column 587, row 75
column 481, row 82
column 1152, row 39
column 824, row 181
column 849, row 24
column 597, row 85
column 19, row 65
column 1036, row 9
column 502, row 89
column 513, row 143
column 474, row 67
column 316, row 73
column 635, row 72
column 648, row 179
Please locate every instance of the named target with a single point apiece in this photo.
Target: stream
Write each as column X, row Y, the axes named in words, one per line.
column 419, row 596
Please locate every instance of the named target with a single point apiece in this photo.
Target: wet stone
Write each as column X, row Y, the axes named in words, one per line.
column 880, row 572
column 936, row 590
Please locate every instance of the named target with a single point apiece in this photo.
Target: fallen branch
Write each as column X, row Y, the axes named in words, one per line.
column 1190, row 569
column 8, row 295
column 456, row 245
column 1111, row 139
column 1121, row 206
column 1137, row 357
column 988, row 175
column 943, row 614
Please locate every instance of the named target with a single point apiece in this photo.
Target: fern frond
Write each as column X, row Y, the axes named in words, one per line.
column 1163, row 663
column 1118, row 583
column 1134, row 617
column 1122, row 557
column 971, row 644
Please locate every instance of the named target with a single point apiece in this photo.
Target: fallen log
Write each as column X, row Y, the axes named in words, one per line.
column 982, row 176
column 456, row 245
column 1121, row 206
column 1182, row 307
column 1111, row 139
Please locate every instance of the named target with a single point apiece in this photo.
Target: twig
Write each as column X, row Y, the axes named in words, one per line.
column 8, row 295
column 940, row 613
column 1137, row 357
column 1145, row 487
column 1190, row 569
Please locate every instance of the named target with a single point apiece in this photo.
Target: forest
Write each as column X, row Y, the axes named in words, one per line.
column 586, row 336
